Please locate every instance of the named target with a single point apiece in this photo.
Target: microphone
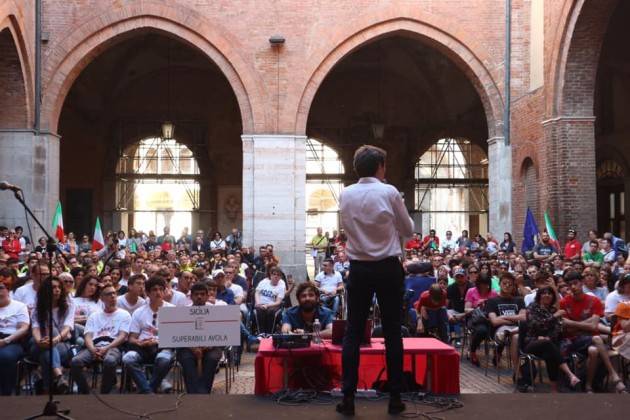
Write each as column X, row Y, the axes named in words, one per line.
column 6, row 186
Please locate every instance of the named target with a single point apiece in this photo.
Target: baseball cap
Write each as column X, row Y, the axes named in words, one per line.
column 217, row 273
column 460, row 272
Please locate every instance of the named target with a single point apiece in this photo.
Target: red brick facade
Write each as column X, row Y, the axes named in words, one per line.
column 552, row 127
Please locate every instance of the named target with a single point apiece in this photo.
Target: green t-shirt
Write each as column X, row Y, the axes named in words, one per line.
column 598, row 257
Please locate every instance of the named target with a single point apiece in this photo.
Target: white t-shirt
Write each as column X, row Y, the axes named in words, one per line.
column 27, row 295
column 328, row 283
column 612, row 300
column 59, row 324
column 11, row 315
column 123, row 303
column 179, row 299
column 103, row 324
column 237, row 290
column 85, row 306
column 269, row 293
column 142, row 322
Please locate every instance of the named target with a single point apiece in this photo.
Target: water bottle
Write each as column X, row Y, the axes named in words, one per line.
column 317, row 327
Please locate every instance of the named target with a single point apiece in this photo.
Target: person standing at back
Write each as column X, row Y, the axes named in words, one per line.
column 375, row 219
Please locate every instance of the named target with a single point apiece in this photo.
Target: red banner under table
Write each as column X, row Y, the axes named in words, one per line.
column 319, row 366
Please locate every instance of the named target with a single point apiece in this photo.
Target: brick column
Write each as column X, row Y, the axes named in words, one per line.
column 568, row 184
column 32, row 163
column 499, row 186
column 274, row 183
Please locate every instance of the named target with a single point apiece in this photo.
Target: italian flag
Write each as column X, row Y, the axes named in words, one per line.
column 551, row 232
column 57, row 223
column 98, row 242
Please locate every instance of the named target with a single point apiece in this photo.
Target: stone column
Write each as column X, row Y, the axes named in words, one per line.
column 31, row 162
column 567, row 180
column 274, row 183
column 499, row 186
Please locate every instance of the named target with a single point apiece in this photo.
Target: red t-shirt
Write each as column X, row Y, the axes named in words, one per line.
column 572, row 248
column 412, row 244
column 426, row 301
column 580, row 310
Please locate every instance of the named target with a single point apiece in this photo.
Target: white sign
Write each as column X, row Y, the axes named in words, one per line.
column 199, row 326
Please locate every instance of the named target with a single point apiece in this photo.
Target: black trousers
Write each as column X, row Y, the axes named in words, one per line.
column 386, row 279
column 479, row 333
column 550, row 353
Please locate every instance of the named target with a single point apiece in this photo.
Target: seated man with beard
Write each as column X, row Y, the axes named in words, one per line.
column 299, row 319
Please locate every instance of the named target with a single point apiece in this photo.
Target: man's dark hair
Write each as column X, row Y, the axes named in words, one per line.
column 593, row 242
column 303, row 287
column 509, row 276
column 135, row 278
column 367, row 159
column 155, row 281
column 198, row 287
column 572, row 276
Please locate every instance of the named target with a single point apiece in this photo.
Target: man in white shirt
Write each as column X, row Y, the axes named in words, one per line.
column 199, row 363
column 27, row 294
column 621, row 294
column 105, row 331
column 143, row 341
column 133, row 299
column 375, row 219
column 449, row 244
column 267, row 300
column 330, row 285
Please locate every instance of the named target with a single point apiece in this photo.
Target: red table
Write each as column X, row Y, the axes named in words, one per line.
column 319, row 366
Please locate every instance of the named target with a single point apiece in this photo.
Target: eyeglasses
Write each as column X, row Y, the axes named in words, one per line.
column 154, row 319
column 113, row 293
column 473, row 272
column 69, row 281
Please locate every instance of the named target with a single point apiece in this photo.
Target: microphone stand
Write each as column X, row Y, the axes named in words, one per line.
column 50, row 409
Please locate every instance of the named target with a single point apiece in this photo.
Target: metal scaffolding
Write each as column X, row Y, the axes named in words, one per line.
column 452, row 164
column 155, row 161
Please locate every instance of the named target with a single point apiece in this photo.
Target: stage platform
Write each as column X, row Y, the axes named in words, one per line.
column 483, row 407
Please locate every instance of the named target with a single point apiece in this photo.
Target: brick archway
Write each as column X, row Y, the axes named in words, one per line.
column 75, row 51
column 16, row 77
column 577, row 58
column 365, row 30
column 570, row 131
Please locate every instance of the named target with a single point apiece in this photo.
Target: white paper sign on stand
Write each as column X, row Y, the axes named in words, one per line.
column 199, row 326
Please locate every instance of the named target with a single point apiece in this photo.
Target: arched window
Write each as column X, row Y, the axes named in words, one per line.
column 157, row 183
column 452, row 188
column 324, row 173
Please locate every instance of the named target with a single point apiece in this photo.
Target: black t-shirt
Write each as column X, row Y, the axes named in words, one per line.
column 455, row 298
column 507, row 246
column 505, row 306
column 546, row 250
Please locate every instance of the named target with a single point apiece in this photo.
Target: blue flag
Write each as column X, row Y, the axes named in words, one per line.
column 529, row 232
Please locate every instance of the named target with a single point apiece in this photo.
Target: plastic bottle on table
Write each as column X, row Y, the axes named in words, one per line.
column 317, row 328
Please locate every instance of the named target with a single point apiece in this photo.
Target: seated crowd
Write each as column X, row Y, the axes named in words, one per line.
column 105, row 306
column 569, row 306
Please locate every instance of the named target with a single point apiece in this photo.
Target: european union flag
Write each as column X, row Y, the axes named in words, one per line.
column 529, row 232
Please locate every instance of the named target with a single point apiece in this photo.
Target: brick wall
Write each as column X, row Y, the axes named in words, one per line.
column 13, row 111
column 274, row 88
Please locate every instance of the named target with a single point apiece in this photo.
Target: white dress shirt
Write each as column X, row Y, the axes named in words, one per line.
column 374, row 218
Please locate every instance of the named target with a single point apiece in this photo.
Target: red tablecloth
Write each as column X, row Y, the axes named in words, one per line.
column 319, row 366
